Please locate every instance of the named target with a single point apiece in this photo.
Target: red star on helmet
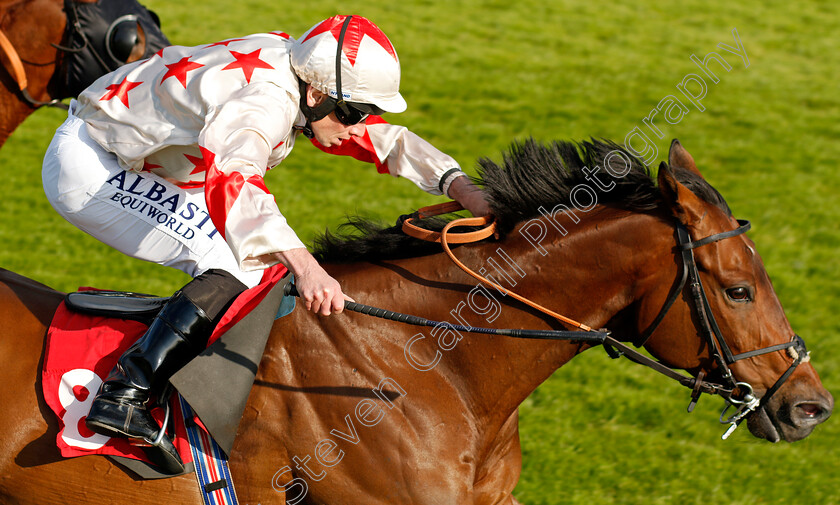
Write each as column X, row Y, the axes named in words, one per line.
column 179, row 70
column 356, row 30
column 120, row 90
column 248, row 63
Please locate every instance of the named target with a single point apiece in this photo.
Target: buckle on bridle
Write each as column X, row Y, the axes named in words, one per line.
column 696, row 391
column 746, row 405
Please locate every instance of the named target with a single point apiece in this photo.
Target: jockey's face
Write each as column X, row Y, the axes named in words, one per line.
column 329, row 131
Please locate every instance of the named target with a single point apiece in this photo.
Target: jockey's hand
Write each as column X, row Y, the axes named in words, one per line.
column 319, row 292
column 469, row 196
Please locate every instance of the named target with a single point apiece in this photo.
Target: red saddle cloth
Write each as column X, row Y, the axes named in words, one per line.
column 82, row 349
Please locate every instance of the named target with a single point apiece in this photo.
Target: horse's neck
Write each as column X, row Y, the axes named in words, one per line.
column 19, row 20
column 12, row 112
column 589, row 275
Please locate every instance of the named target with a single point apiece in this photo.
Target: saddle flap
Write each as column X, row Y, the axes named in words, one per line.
column 119, row 304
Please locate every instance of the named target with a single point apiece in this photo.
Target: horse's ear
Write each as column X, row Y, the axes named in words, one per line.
column 678, row 157
column 687, row 207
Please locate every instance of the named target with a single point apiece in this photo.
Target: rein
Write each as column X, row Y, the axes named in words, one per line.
column 18, row 73
column 597, row 337
column 744, row 401
column 614, row 348
column 490, row 229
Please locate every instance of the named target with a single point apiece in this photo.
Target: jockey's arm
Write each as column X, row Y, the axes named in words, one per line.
column 237, row 147
column 396, row 150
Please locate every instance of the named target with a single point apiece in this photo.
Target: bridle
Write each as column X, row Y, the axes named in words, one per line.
column 96, row 45
column 737, row 394
column 745, row 402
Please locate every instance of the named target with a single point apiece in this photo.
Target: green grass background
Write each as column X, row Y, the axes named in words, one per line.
column 479, row 74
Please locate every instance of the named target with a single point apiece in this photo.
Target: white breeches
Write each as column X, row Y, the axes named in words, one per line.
column 139, row 214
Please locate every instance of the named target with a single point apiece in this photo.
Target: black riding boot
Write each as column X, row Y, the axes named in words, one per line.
column 177, row 335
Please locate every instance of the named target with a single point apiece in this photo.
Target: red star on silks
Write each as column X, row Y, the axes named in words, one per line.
column 247, row 62
column 160, row 53
column 120, row 91
column 179, row 70
column 224, row 42
column 358, row 28
column 148, row 167
column 282, row 35
column 198, row 161
column 208, row 156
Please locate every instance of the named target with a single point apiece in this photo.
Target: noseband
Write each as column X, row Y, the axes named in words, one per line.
column 744, row 402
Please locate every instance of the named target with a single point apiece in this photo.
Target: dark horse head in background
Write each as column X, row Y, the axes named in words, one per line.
column 56, row 48
column 102, row 36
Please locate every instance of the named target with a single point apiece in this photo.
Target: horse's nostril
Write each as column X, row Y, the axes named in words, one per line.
column 812, row 411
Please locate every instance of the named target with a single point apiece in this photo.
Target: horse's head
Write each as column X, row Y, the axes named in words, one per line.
column 734, row 310
column 102, row 36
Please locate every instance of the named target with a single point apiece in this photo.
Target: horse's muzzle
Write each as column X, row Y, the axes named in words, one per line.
column 792, row 416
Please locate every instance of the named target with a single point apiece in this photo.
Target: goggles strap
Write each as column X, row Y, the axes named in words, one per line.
column 323, row 109
column 340, row 98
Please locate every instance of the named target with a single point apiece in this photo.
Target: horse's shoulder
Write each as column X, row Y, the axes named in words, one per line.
column 39, row 299
column 15, row 279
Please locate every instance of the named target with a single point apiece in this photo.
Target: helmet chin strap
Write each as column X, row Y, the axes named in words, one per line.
column 321, row 110
column 312, row 114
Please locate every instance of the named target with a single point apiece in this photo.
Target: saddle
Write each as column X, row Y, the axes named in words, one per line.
column 108, row 322
column 117, row 304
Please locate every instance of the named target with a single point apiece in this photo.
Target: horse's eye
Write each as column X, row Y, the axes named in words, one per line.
column 739, row 294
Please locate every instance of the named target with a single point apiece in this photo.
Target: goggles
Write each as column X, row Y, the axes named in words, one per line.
column 351, row 113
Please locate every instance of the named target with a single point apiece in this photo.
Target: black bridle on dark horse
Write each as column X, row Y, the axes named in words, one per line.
column 737, row 394
column 100, row 37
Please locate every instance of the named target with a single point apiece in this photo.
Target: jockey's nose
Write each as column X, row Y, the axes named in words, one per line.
column 357, row 129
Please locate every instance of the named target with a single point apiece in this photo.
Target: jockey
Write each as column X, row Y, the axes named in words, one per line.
column 164, row 159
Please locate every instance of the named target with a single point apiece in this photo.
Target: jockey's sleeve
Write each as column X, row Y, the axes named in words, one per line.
column 236, row 143
column 397, row 151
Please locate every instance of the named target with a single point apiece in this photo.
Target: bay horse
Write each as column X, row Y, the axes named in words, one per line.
column 351, row 409
column 45, row 58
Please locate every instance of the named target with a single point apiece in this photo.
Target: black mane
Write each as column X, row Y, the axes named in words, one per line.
column 531, row 175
